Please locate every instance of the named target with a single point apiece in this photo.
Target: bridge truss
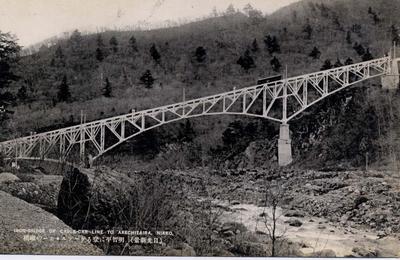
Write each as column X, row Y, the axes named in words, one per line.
column 279, row 101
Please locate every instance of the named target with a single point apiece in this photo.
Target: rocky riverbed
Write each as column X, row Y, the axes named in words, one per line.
column 314, row 236
column 325, row 213
column 340, row 213
column 358, row 199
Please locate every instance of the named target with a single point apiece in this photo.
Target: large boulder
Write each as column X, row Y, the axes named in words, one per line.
column 181, row 250
column 6, row 177
column 363, row 252
column 294, row 222
column 247, row 248
column 323, row 253
column 16, row 214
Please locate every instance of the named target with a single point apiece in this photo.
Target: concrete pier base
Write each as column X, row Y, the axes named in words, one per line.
column 391, row 81
column 284, row 146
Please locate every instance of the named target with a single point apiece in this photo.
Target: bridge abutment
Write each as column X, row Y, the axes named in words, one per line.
column 284, row 146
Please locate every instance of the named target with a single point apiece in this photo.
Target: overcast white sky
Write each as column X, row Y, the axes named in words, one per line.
column 35, row 20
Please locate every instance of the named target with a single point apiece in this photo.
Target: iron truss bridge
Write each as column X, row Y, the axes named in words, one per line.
column 279, row 101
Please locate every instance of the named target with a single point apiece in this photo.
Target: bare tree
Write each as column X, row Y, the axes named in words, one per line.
column 274, row 196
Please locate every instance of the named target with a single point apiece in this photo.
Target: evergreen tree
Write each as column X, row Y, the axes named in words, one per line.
column 59, row 53
column 276, row 65
column 246, row 61
column 99, row 55
column 230, row 10
column 59, row 58
column 76, row 36
column 254, row 46
column 107, row 90
column 271, row 43
column 338, row 63
column 367, row 56
column 275, row 44
column 337, row 23
column 100, row 42
column 22, row 93
column 9, row 50
column 64, row 95
column 315, row 53
column 155, row 54
column 147, row 79
column 348, row 37
column 252, row 12
column 133, row 44
column 187, row 133
column 114, row 44
column 376, row 18
column 201, row 54
column 374, row 15
column 327, row 65
column 359, row 49
column 356, row 28
column 395, row 34
column 348, row 61
column 248, row 9
column 308, row 30
column 100, row 51
column 268, row 41
column 76, row 42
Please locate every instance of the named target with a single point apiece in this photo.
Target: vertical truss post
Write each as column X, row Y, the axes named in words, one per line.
column 82, row 146
column 102, row 137
column 264, row 91
column 41, row 149
column 183, row 100
column 62, row 147
column 284, row 103
column 244, row 103
column 325, row 84
column 123, row 129
column 15, row 163
column 305, row 93
column 143, row 122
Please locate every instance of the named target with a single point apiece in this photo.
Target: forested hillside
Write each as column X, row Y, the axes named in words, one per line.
column 110, row 73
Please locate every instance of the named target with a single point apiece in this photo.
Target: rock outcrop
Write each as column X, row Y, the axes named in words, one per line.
column 38, row 188
column 84, row 191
